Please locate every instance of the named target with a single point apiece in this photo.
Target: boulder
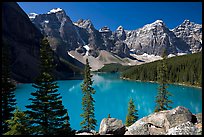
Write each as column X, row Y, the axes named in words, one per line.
column 160, row 122
column 112, row 126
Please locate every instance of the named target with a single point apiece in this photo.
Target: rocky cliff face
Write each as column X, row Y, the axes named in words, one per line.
column 24, row 40
column 66, row 36
column 153, row 38
column 191, row 33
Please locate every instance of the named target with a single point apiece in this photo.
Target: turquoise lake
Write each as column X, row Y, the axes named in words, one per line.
column 112, row 96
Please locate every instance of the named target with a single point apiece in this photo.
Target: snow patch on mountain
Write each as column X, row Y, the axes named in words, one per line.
column 170, row 55
column 87, row 49
column 120, row 28
column 46, row 21
column 180, row 54
column 55, row 10
column 32, row 15
column 153, row 25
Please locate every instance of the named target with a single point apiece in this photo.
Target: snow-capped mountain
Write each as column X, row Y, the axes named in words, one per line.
column 81, row 38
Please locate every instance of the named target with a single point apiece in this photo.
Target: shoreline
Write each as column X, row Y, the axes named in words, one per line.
column 180, row 84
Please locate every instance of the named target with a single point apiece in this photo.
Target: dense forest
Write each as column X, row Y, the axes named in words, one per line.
column 186, row 69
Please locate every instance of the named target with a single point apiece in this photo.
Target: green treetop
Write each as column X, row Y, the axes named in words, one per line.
column 132, row 115
column 18, row 124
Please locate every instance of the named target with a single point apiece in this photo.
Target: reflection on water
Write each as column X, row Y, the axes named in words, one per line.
column 112, row 97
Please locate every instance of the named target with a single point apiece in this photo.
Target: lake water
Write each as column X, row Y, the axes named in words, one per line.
column 112, row 96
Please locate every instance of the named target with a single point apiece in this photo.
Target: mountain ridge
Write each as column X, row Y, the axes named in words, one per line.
column 145, row 43
column 150, row 39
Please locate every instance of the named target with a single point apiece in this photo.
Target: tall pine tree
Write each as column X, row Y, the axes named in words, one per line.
column 48, row 114
column 7, row 89
column 89, row 121
column 162, row 98
column 132, row 115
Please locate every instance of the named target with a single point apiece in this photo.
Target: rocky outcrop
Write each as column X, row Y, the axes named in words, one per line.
column 176, row 121
column 111, row 126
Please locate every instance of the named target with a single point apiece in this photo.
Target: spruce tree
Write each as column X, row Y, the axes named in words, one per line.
column 49, row 117
column 18, row 124
column 89, row 121
column 132, row 115
column 162, row 98
column 7, row 89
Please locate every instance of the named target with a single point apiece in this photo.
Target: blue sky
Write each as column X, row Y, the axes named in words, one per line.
column 130, row 15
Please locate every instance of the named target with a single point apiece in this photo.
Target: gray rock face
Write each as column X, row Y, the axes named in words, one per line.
column 111, row 126
column 153, row 38
column 183, row 129
column 160, row 122
column 191, row 33
column 59, row 29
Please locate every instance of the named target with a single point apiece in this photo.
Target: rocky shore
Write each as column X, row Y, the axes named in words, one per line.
column 178, row 121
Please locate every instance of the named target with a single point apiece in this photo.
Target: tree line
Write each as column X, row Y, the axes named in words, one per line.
column 46, row 114
column 186, row 69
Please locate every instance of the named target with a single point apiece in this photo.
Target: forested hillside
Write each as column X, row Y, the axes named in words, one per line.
column 186, row 69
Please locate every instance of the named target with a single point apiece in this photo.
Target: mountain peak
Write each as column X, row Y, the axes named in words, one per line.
column 105, row 29
column 158, row 22
column 152, row 26
column 120, row 28
column 55, row 10
column 187, row 22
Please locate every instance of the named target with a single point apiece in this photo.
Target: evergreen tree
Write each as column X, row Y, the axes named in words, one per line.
column 49, row 117
column 162, row 101
column 19, row 124
column 132, row 115
column 7, row 89
column 89, row 121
